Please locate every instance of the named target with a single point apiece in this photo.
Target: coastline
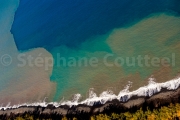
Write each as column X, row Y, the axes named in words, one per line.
column 163, row 98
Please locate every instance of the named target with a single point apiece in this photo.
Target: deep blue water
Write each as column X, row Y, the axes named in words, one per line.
column 50, row 23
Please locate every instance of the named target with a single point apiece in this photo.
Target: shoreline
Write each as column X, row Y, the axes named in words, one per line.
column 163, row 98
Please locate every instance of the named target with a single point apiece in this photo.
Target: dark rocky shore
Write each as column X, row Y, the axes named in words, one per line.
column 163, row 98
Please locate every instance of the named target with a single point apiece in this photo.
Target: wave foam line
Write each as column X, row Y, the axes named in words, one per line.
column 123, row 96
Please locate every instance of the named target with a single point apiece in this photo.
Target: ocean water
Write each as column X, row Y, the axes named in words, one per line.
column 19, row 84
column 148, row 37
column 87, row 29
column 51, row 23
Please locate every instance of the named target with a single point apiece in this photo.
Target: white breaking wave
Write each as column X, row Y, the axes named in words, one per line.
column 123, row 96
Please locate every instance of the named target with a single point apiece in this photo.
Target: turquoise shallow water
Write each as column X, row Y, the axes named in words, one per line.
column 148, row 37
column 95, row 28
